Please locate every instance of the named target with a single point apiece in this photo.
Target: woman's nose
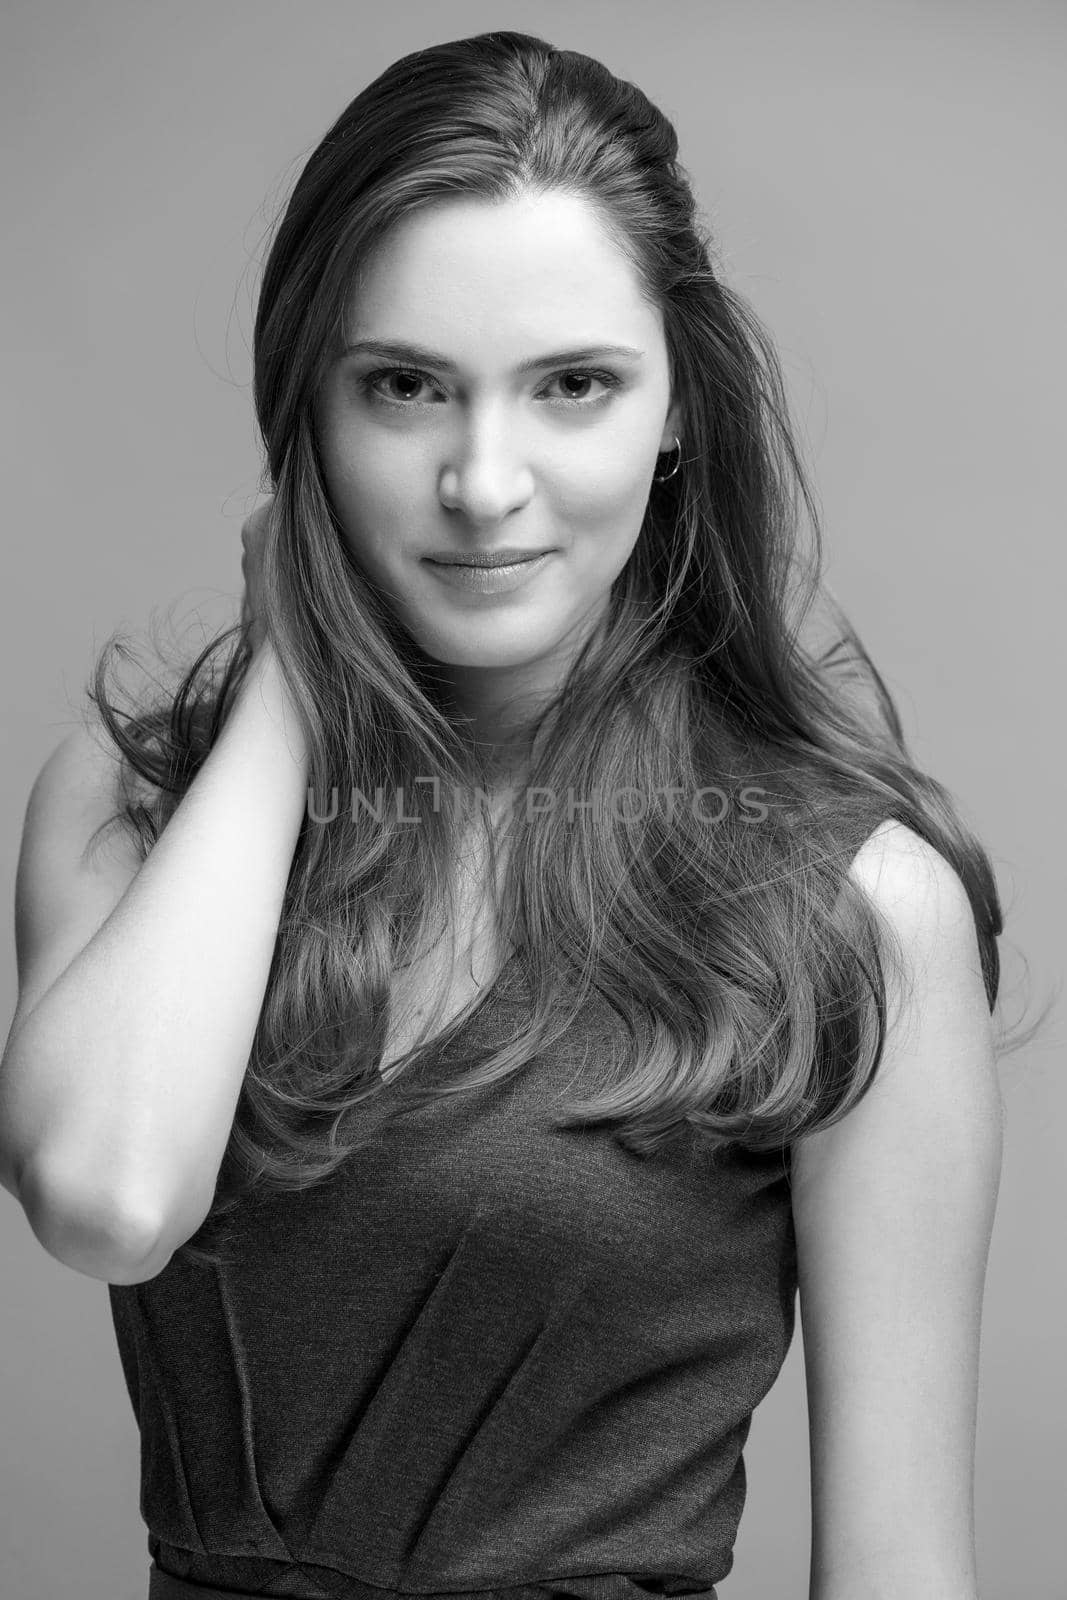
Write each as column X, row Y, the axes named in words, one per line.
column 487, row 475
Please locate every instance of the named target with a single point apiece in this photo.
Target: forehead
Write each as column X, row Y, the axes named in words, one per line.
column 529, row 268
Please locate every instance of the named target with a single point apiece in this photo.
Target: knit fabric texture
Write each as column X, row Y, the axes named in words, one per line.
column 486, row 1357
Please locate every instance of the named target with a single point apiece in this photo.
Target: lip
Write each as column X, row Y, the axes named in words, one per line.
column 483, row 579
column 507, row 557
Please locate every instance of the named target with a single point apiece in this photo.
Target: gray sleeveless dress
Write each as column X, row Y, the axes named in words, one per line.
column 487, row 1359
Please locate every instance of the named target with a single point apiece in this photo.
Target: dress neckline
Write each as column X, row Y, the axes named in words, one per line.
column 501, row 989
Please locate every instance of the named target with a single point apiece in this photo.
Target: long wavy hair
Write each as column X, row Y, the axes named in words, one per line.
column 746, row 966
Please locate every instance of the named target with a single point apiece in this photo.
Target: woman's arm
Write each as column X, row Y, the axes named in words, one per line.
column 140, row 990
column 893, row 1208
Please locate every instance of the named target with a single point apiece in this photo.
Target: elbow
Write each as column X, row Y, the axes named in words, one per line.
column 92, row 1234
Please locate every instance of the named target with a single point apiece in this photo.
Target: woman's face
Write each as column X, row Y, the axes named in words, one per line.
column 504, row 386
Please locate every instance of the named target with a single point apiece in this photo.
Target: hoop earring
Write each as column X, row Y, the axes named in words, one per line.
column 661, row 477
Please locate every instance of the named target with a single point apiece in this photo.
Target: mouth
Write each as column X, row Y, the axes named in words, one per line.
column 479, row 576
column 485, row 558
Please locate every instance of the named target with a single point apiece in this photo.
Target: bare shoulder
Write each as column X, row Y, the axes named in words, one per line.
column 77, row 790
column 85, row 752
column 938, row 1063
column 918, row 895
column 899, row 867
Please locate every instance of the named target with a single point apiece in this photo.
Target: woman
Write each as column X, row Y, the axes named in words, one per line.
column 530, row 963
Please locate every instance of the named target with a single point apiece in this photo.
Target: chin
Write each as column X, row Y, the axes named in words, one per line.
column 487, row 659
column 485, row 646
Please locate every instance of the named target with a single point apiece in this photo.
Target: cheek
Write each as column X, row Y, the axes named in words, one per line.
column 608, row 487
column 373, row 500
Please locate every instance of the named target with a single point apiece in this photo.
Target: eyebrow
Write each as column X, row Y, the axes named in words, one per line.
column 398, row 350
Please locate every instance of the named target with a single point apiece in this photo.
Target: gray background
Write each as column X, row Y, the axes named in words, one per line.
column 886, row 181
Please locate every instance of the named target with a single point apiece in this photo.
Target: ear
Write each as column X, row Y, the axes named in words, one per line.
column 672, row 428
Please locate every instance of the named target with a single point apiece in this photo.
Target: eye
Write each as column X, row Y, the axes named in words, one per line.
column 582, row 377
column 408, row 380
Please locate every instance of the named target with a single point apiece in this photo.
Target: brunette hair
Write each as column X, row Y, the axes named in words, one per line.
column 744, row 961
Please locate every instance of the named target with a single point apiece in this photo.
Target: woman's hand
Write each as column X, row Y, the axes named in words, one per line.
column 253, row 533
